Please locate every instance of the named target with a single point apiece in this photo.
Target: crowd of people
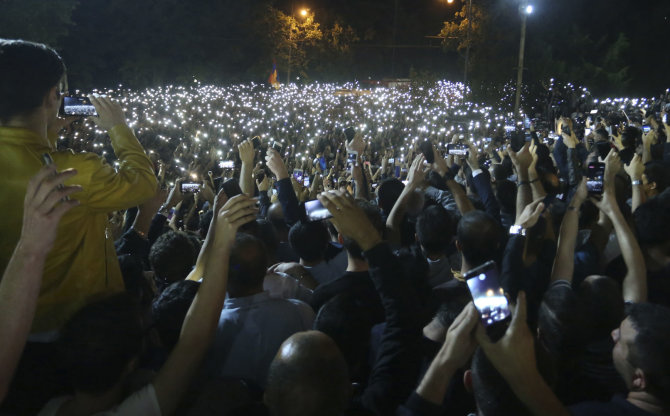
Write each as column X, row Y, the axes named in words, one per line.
column 329, row 250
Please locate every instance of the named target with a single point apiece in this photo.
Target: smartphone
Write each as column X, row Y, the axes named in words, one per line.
column 349, row 133
column 256, row 141
column 231, row 187
column 73, row 105
column 392, row 160
column 226, row 164
column 316, row 211
column 297, row 174
column 489, row 299
column 646, row 128
column 457, row 149
column 587, row 132
column 665, row 118
column 307, row 182
column 277, row 146
column 594, row 111
column 594, row 178
column 509, row 129
column 351, row 161
column 427, row 149
column 46, row 158
column 190, row 187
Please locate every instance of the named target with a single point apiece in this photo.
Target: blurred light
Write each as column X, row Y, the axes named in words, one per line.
column 529, row 9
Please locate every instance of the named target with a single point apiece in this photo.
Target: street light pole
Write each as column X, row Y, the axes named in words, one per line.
column 467, row 50
column 526, row 9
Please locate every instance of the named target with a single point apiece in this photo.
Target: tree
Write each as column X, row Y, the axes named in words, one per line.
column 36, row 20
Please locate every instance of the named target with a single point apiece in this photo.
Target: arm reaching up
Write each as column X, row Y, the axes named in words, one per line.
column 203, row 315
column 43, row 208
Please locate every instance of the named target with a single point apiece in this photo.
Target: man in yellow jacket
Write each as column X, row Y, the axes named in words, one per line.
column 83, row 262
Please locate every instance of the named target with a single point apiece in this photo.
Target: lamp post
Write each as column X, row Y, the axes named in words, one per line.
column 525, row 10
column 303, row 13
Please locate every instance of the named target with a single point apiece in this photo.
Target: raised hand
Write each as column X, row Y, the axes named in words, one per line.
column 43, row 207
column 236, row 212
column 349, row 219
column 416, row 174
column 110, row 112
column 246, row 149
column 276, row 164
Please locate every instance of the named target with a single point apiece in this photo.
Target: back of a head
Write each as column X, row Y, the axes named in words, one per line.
column 493, row 395
column 602, row 302
column 308, row 377
column 389, row 191
column 309, row 240
column 501, row 172
column 630, row 137
column 29, row 70
column 479, row 236
column 99, row 341
column 172, row 256
column 659, row 173
column 649, row 351
column 375, row 217
column 348, row 323
column 652, row 223
column 248, row 264
column 560, row 321
column 170, row 308
column 435, row 229
column 506, row 195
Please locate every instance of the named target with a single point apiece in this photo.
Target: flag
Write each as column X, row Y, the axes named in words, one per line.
column 273, row 76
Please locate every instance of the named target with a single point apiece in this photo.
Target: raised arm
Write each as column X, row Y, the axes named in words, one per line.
column 246, row 149
column 521, row 162
column 533, row 178
column 203, row 315
column 415, row 178
column 22, row 279
column 440, row 166
column 514, row 358
column 635, row 282
column 635, row 169
column 564, row 262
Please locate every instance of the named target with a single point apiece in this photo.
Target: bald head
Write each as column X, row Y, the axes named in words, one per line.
column 308, row 376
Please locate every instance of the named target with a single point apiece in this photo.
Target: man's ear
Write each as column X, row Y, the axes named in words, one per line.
column 639, row 380
column 467, row 381
column 651, row 185
column 340, row 238
column 52, row 96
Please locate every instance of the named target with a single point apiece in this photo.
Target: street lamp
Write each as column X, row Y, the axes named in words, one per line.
column 303, row 13
column 525, row 10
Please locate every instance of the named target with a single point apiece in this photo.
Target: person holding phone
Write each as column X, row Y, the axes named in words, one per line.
column 83, row 263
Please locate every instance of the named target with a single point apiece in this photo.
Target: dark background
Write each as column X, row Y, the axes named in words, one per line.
column 610, row 46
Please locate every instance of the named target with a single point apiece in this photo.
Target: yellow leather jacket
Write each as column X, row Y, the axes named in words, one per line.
column 83, row 262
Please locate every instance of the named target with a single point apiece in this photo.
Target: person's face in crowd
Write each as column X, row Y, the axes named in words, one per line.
column 623, row 338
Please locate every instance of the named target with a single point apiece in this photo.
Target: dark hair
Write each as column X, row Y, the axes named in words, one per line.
column 602, row 133
column 309, row 240
column 389, row 191
column 492, row 393
column 649, row 351
column 479, row 236
column 630, row 137
column 658, row 172
column 248, row 263
column 169, row 310
column 501, row 171
column 29, row 70
column 435, row 229
column 172, row 256
column 99, row 341
column 602, row 301
column 560, row 321
column 205, row 221
column 506, row 195
column 652, row 223
column 375, row 217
